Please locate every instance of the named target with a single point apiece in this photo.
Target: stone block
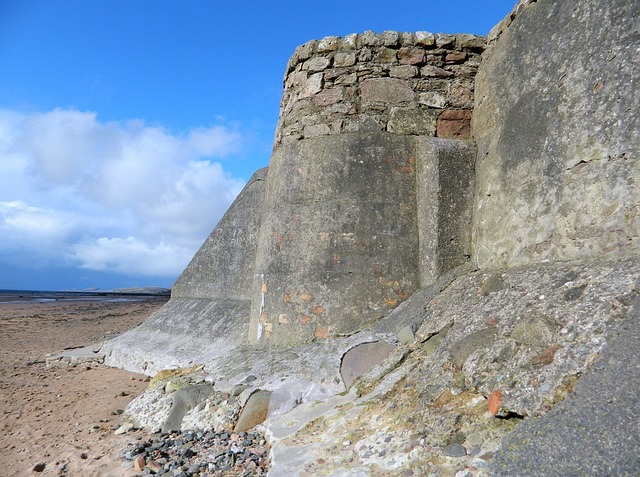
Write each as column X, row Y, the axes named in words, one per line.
column 343, row 59
column 431, row 71
column 312, row 86
column 424, row 38
column 413, row 121
column 328, row 43
column 403, row 72
column 454, row 123
column 433, row 99
column 386, row 55
column 385, row 90
column 317, row 63
column 411, row 56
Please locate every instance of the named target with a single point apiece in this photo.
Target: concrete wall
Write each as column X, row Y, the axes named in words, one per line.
column 556, row 123
column 363, row 204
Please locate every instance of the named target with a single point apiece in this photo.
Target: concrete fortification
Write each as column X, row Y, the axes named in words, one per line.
column 456, row 250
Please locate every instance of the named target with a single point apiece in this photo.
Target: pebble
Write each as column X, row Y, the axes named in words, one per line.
column 454, row 450
column 199, row 453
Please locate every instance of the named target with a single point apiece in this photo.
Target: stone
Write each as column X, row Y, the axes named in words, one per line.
column 454, row 450
column 328, row 97
column 469, row 41
column 536, row 331
column 350, row 42
column 317, row 63
column 424, row 38
column 411, row 56
column 390, row 38
column 431, row 71
column 472, row 342
column 454, row 123
column 444, row 40
column 412, row 121
column 386, row 55
column 433, row 100
column 342, row 59
column 404, row 72
column 362, row 358
column 183, row 401
column 328, row 43
column 407, row 334
column 123, row 429
column 39, row 467
column 312, row 86
column 254, row 411
column 455, row 57
column 139, row 463
column 494, row 402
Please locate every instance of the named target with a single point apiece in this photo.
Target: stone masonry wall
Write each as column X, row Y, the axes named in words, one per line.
column 404, row 83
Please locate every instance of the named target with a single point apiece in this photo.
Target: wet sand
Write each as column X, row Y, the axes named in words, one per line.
column 64, row 417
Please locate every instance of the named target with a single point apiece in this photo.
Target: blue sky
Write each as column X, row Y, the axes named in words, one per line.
column 127, row 127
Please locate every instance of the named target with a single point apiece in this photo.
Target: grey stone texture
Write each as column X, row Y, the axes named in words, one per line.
column 426, row 397
column 556, row 123
column 599, row 416
column 353, row 224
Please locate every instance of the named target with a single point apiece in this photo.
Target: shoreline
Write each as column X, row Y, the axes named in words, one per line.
column 60, row 421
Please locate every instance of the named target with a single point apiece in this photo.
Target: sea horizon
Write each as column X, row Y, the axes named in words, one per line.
column 117, row 294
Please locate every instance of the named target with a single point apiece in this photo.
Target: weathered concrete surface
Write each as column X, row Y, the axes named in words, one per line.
column 595, row 430
column 556, row 122
column 423, row 412
column 444, row 194
column 184, row 332
column 353, row 224
column 339, row 243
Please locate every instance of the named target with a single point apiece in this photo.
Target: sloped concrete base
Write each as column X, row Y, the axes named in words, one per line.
column 183, row 333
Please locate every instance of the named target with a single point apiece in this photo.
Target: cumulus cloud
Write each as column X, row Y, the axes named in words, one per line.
column 116, row 196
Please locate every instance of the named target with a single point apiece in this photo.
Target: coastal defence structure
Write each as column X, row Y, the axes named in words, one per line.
column 446, row 221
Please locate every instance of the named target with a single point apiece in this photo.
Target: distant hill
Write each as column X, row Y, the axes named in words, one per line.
column 142, row 290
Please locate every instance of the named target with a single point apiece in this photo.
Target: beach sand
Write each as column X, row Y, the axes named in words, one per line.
column 64, row 417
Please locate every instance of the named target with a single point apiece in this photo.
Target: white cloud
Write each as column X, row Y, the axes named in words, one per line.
column 116, row 196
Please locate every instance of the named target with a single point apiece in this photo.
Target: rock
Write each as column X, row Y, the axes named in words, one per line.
column 124, row 428
column 454, row 450
column 454, row 123
column 407, row 334
column 412, row 121
column 139, row 463
column 362, row 358
column 462, row 349
column 183, row 401
column 254, row 412
column 492, row 284
column 39, row 467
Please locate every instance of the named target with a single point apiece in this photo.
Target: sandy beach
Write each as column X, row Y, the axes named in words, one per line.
column 60, row 421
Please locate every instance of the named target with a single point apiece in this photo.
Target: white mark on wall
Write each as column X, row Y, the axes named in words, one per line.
column 263, row 291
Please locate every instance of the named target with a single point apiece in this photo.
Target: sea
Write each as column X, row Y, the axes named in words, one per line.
column 39, row 296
